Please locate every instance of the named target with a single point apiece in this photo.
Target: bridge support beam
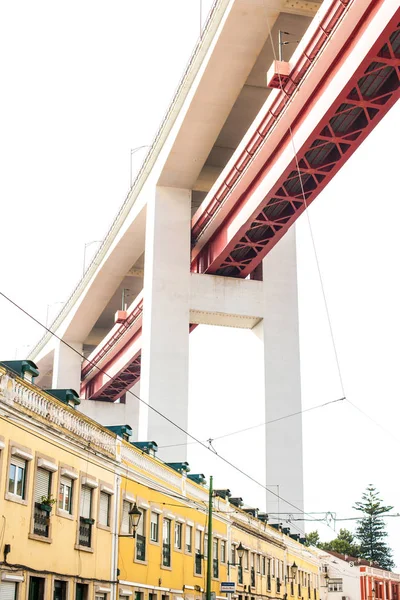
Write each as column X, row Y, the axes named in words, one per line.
column 279, row 333
column 165, row 333
column 67, row 366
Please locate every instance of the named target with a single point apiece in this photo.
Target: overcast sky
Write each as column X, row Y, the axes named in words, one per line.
column 83, row 83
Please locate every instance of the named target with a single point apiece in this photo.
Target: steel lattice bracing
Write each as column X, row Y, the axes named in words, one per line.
column 347, row 122
column 353, row 113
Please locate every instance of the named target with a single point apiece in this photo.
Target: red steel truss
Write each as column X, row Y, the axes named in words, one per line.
column 348, row 120
column 355, row 112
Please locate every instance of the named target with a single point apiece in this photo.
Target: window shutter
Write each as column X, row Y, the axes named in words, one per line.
column 86, row 502
column 18, row 462
column 42, row 486
column 66, row 481
column 103, row 510
column 126, row 506
column 8, row 590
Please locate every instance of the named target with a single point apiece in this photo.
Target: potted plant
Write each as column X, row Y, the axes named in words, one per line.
column 46, row 503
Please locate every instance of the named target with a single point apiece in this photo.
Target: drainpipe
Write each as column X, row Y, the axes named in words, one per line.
column 114, row 547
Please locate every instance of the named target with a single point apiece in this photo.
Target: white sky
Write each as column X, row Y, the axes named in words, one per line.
column 83, row 83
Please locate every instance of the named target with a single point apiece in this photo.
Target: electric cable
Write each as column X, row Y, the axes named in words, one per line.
column 225, row 460
column 220, row 437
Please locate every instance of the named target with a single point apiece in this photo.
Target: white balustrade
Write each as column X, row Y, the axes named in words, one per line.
column 13, row 392
column 149, row 465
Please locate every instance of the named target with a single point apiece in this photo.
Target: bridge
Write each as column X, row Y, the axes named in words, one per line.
column 249, row 141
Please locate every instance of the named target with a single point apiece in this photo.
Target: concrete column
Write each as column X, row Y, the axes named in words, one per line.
column 279, row 331
column 67, row 366
column 165, row 335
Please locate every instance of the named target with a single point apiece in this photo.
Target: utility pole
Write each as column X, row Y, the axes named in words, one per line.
column 209, row 541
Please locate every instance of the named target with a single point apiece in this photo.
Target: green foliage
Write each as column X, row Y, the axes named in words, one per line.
column 343, row 543
column 371, row 529
column 312, row 539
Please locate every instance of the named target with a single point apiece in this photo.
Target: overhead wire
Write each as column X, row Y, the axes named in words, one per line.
column 222, row 458
column 238, row 431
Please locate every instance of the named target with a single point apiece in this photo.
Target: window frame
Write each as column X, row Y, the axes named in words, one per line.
column 52, row 479
column 178, row 525
column 73, row 476
column 189, row 526
column 143, row 523
column 93, row 511
column 158, row 537
column 27, row 474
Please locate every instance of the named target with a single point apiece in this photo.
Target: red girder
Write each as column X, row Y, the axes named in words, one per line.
column 361, row 104
column 356, row 111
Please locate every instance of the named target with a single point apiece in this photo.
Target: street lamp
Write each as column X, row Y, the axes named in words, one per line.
column 134, row 518
column 133, row 151
column 240, row 553
column 84, row 253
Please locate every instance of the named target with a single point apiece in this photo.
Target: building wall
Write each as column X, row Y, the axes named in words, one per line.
column 45, row 435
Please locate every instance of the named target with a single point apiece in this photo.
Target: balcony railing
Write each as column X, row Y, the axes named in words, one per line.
column 85, row 533
column 253, row 577
column 215, row 568
column 166, row 555
column 240, row 574
column 198, row 563
column 140, row 547
column 40, row 521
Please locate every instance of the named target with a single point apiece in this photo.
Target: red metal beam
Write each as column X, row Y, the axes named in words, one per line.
column 240, row 244
column 347, row 121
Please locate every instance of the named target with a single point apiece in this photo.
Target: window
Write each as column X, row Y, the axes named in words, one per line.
column 60, row 590
column 104, row 509
column 81, row 591
column 141, row 537
column 263, row 565
column 246, row 559
column 154, row 527
column 188, row 538
column 198, row 556
column 233, row 556
column 166, row 542
column 16, row 477
column 36, row 588
column 138, row 595
column 335, row 585
column 223, row 551
column 41, row 512
column 85, row 514
column 205, row 546
column 178, row 536
column 258, row 563
column 215, row 559
column 65, row 495
column 126, row 507
column 8, row 590
column 152, row 596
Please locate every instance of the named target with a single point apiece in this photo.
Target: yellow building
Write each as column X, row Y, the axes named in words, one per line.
column 69, row 489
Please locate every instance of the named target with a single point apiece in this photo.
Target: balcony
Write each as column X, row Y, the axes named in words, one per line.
column 41, row 521
column 85, row 532
column 198, row 563
column 166, row 555
column 140, row 547
column 215, row 568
